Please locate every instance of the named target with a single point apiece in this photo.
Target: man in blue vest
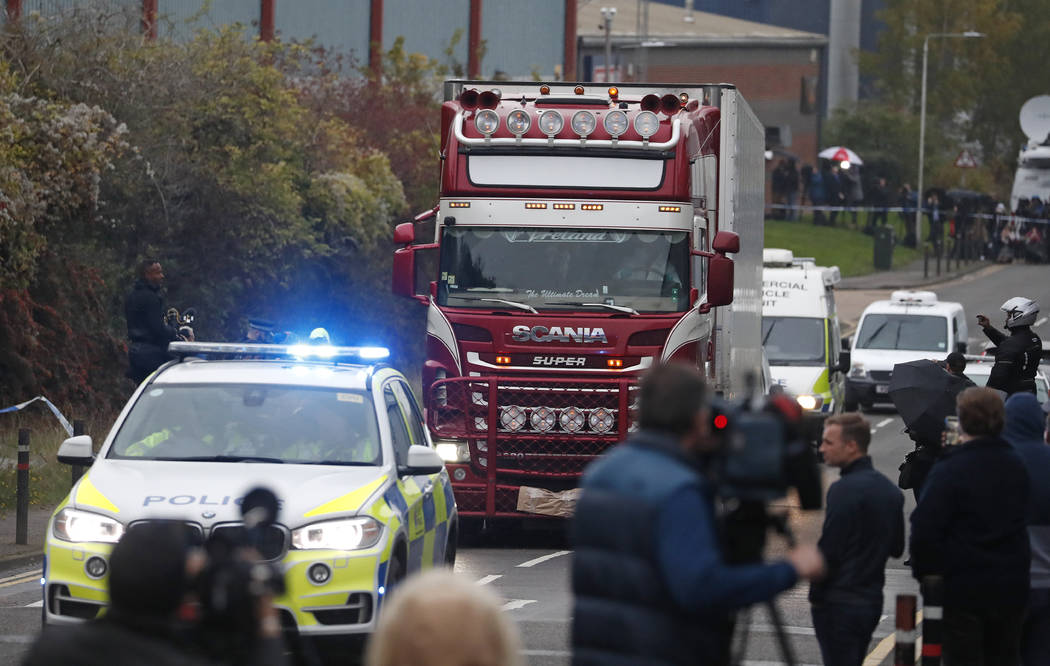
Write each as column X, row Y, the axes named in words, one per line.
column 650, row 580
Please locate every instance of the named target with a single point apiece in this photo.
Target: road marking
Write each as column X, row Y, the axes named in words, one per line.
column 545, row 653
column 1041, row 322
column 515, row 604
column 488, row 579
column 541, row 560
column 19, row 579
column 884, row 422
column 39, row 603
column 885, row 646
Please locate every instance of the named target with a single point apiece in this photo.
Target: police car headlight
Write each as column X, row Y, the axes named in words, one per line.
column 347, row 534
column 84, row 526
column 452, row 451
column 809, row 401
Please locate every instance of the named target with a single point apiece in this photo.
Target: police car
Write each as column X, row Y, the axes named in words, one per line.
column 364, row 498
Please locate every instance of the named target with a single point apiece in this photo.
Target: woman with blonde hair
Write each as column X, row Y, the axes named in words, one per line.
column 441, row 619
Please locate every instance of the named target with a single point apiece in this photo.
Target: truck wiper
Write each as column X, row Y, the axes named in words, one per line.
column 515, row 304
column 618, row 308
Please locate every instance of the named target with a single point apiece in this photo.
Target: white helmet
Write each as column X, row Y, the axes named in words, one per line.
column 1020, row 311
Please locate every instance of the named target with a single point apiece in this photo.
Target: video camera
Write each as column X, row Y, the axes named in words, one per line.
column 764, row 454
column 236, row 578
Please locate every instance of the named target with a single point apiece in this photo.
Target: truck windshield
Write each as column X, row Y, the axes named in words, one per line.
column 250, row 423
column 541, row 268
column 793, row 340
column 903, row 331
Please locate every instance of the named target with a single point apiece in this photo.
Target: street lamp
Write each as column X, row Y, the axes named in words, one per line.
column 969, row 34
column 607, row 14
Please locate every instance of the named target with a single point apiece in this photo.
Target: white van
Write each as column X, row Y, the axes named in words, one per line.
column 800, row 332
column 912, row 325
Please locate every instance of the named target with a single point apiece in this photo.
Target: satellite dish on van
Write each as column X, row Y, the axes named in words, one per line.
column 1035, row 118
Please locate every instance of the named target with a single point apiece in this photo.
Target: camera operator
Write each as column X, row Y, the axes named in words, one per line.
column 647, row 553
column 1017, row 354
column 148, row 333
column 152, row 570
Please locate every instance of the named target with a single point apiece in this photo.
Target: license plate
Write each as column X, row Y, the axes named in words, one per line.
column 882, row 388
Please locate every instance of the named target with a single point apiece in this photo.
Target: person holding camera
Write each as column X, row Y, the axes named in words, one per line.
column 148, row 333
column 647, row 553
column 1016, row 355
column 863, row 528
column 153, row 570
column 969, row 528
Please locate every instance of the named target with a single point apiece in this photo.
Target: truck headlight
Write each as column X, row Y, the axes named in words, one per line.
column 452, row 451
column 84, row 526
column 857, row 371
column 809, row 402
column 346, row 534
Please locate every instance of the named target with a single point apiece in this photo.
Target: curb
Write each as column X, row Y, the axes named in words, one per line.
column 17, row 561
column 923, row 282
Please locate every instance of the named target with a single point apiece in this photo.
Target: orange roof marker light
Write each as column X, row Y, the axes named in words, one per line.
column 564, row 206
column 545, row 89
column 535, row 205
column 578, row 90
column 614, row 92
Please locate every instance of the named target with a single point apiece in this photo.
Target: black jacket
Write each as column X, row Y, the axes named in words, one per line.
column 969, row 526
column 144, row 309
column 1016, row 359
column 863, row 527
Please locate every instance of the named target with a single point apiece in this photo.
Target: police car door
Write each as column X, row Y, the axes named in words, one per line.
column 408, row 494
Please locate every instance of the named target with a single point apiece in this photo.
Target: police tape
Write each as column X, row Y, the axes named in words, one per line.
column 54, row 410
column 909, row 212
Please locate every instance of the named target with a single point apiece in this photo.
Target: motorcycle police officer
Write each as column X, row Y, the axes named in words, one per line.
column 148, row 333
column 1017, row 354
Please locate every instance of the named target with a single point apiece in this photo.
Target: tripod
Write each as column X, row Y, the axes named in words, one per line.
column 745, row 536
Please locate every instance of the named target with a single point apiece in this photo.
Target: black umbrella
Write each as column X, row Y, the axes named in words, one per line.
column 924, row 393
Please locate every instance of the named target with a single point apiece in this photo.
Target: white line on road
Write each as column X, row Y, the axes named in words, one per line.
column 488, row 579
column 541, row 560
column 515, row 604
column 1041, row 321
column 884, row 422
column 36, row 604
column 545, row 653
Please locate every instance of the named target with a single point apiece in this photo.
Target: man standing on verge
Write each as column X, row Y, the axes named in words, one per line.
column 969, row 528
column 863, row 527
column 646, row 549
column 1025, row 431
column 1016, row 355
column 148, row 334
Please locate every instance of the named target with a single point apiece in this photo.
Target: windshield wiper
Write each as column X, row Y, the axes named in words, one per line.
column 618, row 308
column 772, row 325
column 342, row 463
column 261, row 459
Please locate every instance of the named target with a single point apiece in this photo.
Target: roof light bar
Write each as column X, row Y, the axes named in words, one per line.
column 278, row 351
column 564, row 206
column 592, row 206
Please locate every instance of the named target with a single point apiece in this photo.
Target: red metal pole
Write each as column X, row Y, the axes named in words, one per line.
column 474, row 41
column 14, row 10
column 904, row 646
column 266, row 10
column 149, row 19
column 570, row 41
column 375, row 38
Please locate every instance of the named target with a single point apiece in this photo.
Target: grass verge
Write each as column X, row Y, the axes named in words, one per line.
column 847, row 248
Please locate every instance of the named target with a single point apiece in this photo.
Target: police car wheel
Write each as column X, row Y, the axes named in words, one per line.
column 450, row 548
column 396, row 572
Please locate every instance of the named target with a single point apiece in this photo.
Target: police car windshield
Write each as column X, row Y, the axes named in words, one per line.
column 250, row 423
column 558, row 269
column 903, row 331
column 793, row 340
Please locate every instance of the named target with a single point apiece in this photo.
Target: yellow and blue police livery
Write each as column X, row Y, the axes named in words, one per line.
column 364, row 498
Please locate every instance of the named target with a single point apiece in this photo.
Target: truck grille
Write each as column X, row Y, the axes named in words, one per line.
column 544, row 428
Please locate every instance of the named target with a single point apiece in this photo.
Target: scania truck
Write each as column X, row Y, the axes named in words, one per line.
column 583, row 234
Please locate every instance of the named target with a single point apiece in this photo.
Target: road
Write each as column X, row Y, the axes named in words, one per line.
column 531, row 570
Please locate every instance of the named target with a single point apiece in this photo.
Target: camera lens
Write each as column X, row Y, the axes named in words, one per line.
column 95, row 567
column 319, row 573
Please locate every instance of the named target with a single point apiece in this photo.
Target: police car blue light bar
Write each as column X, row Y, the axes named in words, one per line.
column 300, row 351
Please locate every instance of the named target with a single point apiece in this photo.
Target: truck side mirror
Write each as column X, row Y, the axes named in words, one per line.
column 726, row 242
column 719, row 280
column 404, row 234
column 404, row 275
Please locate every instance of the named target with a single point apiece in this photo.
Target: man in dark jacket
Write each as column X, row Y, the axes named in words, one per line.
column 863, row 527
column 651, row 584
column 148, row 335
column 149, row 580
column 1024, row 430
column 970, row 528
column 1016, row 355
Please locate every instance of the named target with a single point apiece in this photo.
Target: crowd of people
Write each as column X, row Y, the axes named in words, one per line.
column 976, row 225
